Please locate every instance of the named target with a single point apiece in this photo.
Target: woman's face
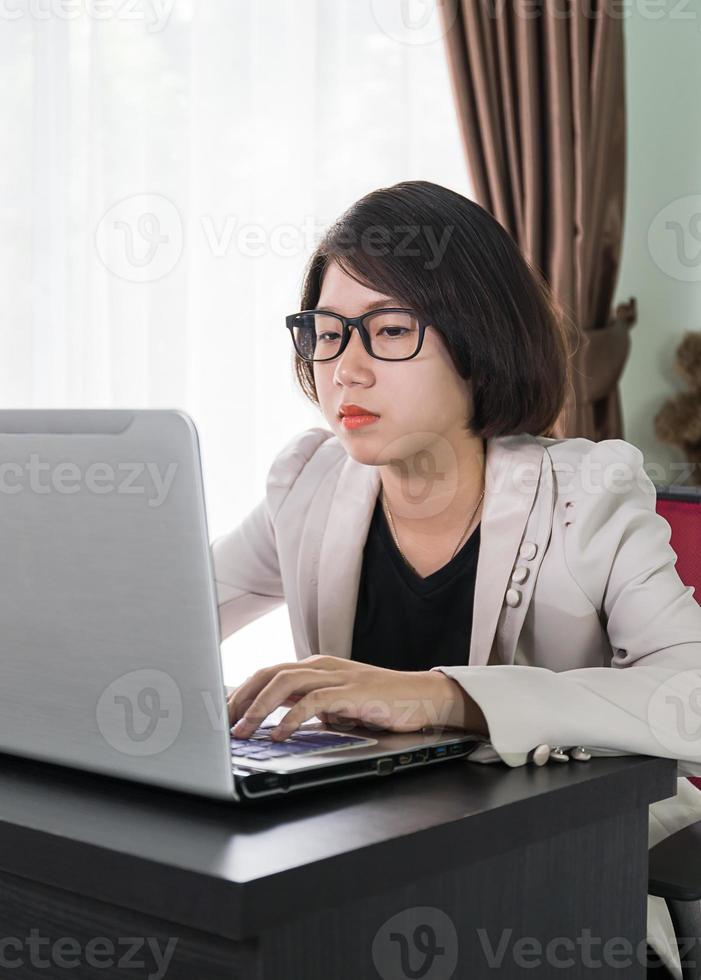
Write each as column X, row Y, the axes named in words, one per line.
column 420, row 401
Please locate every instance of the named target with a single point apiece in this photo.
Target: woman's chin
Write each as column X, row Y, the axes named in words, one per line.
column 362, row 450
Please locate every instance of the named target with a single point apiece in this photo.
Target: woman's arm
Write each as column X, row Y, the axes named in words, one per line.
column 649, row 701
column 337, row 690
column 245, row 559
column 464, row 712
column 246, row 571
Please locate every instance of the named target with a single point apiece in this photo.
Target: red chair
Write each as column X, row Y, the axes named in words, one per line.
column 674, row 869
column 681, row 508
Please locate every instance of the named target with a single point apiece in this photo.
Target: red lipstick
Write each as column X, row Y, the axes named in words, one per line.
column 356, row 416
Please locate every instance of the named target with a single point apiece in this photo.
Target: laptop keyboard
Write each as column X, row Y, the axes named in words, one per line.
column 259, row 745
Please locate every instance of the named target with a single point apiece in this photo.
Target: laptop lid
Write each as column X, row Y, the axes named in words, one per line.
column 111, row 645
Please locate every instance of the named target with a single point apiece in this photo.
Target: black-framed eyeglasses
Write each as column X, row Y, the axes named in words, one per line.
column 389, row 334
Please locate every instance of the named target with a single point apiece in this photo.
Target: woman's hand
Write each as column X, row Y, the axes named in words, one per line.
column 341, row 691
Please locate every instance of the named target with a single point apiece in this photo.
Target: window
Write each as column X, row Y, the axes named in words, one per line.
column 167, row 163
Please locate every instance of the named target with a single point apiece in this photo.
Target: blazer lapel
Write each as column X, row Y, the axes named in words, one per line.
column 341, row 557
column 516, row 497
column 512, row 469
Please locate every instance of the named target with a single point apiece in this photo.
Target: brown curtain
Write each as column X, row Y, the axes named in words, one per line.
column 539, row 92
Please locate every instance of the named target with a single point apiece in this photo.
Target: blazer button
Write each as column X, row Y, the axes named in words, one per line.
column 513, row 597
column 520, row 574
column 528, row 550
column 539, row 755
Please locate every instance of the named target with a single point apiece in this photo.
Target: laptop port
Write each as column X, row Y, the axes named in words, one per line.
column 455, row 748
column 422, row 755
column 405, row 759
column 440, row 750
column 384, row 766
column 272, row 779
column 262, row 784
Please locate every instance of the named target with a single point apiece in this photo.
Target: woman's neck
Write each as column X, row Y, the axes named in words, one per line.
column 431, row 493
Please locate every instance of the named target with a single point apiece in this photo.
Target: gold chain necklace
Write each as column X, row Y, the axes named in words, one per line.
column 385, row 507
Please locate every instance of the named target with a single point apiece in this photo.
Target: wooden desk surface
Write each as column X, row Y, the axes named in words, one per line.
column 233, row 870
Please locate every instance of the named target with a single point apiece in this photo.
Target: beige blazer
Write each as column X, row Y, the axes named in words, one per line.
column 582, row 633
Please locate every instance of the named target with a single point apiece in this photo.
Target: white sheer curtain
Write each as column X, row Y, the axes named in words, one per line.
column 168, row 167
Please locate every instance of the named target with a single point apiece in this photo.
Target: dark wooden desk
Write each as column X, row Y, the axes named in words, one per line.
column 337, row 883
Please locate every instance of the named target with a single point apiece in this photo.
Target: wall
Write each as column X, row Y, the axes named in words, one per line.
column 662, row 242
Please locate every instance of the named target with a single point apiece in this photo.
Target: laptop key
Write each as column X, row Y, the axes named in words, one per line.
column 259, row 745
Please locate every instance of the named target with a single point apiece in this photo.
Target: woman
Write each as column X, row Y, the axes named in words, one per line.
column 444, row 559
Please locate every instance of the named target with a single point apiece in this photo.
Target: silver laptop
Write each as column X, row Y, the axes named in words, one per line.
column 110, row 632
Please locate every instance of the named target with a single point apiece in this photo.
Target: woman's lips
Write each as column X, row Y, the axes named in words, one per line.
column 358, row 421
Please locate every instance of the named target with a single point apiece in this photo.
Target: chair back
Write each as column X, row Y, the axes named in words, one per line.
column 681, row 508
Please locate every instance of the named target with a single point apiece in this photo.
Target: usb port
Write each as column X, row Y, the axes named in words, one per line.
column 455, row 748
column 440, row 750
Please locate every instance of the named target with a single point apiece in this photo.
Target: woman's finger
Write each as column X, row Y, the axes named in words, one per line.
column 245, row 693
column 316, row 701
column 338, row 721
column 284, row 685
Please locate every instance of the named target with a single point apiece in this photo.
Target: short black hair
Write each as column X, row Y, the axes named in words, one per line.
column 500, row 321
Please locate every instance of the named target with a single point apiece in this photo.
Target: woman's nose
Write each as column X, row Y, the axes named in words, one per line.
column 355, row 338
column 354, row 354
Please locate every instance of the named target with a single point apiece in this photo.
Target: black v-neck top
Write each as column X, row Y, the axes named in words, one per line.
column 406, row 622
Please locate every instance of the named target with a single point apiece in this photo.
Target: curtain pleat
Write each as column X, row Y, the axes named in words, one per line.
column 540, row 98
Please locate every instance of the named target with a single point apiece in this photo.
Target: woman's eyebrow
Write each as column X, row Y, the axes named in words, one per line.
column 375, row 305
